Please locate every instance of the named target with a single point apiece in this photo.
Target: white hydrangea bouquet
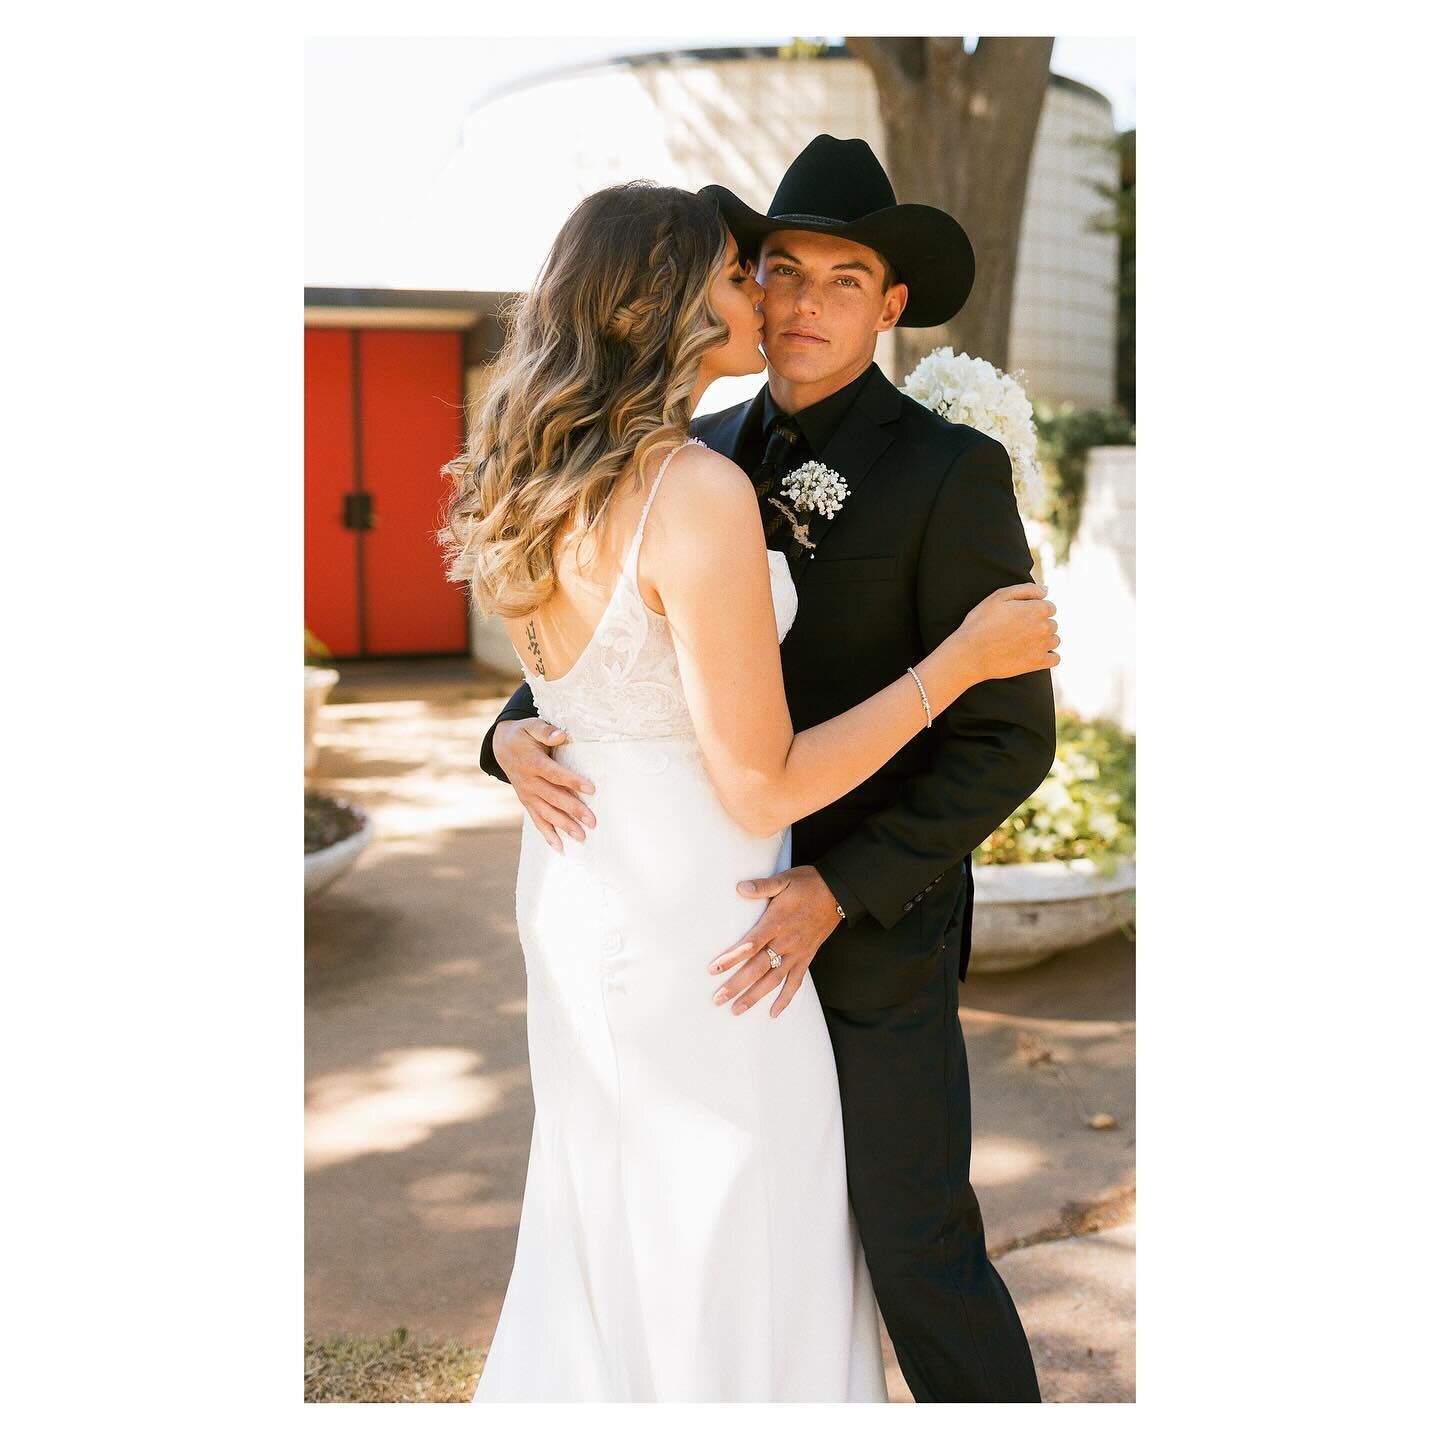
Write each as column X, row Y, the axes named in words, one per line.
column 967, row 390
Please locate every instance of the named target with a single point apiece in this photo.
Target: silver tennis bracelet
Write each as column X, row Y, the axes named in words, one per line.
column 924, row 698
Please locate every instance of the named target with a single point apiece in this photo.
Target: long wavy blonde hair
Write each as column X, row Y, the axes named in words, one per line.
column 596, row 373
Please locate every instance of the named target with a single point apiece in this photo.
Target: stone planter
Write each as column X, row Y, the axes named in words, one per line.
column 1026, row 913
column 319, row 682
column 322, row 867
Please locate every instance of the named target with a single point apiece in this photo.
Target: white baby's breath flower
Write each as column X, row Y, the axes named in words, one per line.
column 967, row 390
column 813, row 486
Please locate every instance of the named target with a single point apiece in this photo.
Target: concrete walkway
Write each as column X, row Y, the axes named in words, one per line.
column 418, row 1100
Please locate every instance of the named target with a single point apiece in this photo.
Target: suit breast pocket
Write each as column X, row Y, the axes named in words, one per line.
column 853, row 570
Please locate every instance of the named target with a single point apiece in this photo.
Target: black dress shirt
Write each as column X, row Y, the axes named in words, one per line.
column 816, row 423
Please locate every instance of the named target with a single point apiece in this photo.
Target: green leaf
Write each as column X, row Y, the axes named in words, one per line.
column 1084, row 808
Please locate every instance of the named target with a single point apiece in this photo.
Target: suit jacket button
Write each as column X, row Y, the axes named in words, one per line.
column 909, row 904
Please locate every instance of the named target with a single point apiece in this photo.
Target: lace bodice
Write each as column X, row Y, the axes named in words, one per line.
column 625, row 685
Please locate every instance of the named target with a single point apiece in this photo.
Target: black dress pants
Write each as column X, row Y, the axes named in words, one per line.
column 905, row 1094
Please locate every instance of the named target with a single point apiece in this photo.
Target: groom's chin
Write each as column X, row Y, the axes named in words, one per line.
column 797, row 372
column 800, row 362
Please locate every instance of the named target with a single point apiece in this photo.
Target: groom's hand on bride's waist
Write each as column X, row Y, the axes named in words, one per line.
column 549, row 791
column 796, row 922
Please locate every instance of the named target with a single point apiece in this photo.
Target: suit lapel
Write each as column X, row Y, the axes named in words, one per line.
column 860, row 439
column 726, row 431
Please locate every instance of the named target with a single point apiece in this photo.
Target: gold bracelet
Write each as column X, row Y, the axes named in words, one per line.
column 924, row 698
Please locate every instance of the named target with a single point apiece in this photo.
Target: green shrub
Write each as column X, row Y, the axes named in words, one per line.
column 1066, row 435
column 1083, row 810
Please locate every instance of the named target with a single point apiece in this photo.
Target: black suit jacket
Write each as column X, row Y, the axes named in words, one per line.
column 929, row 529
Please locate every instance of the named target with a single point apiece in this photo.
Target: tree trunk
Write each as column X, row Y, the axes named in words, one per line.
column 959, row 133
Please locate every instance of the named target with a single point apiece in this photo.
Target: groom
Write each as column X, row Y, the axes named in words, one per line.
column 879, row 900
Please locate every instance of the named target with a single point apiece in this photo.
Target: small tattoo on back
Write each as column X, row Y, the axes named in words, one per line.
column 534, row 647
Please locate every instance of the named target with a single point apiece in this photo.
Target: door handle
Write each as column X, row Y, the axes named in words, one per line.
column 359, row 510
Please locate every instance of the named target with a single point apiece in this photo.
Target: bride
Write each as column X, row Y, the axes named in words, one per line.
column 685, row 1232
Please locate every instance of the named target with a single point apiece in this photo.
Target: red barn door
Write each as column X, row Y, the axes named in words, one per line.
column 383, row 413
column 331, row 578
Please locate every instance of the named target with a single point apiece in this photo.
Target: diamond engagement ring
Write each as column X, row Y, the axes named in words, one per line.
column 775, row 960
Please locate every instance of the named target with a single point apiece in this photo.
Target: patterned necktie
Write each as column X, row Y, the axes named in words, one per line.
column 780, row 457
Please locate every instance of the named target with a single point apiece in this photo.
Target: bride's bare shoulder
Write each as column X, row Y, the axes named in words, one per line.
column 706, row 472
column 704, row 518
column 704, row 493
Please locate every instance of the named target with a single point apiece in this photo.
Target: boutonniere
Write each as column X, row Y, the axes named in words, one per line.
column 812, row 488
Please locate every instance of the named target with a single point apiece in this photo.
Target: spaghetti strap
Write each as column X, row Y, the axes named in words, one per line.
column 650, row 498
column 664, row 466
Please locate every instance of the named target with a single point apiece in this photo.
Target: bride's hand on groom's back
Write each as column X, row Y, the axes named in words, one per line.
column 1011, row 632
column 548, row 790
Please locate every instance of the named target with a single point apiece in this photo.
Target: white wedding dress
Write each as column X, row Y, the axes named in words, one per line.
column 685, row 1232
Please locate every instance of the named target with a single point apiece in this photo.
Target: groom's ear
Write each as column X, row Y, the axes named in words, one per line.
column 896, row 298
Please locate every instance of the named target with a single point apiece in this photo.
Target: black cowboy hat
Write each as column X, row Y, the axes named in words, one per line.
column 838, row 187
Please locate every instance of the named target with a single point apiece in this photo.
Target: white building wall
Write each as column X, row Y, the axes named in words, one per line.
column 1063, row 330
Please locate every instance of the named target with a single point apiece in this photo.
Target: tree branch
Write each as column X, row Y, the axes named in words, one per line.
column 899, row 60
column 999, row 55
column 947, row 52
